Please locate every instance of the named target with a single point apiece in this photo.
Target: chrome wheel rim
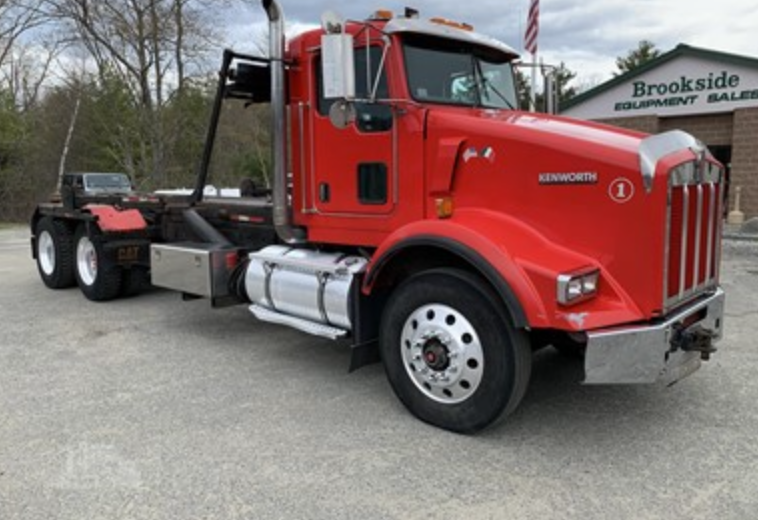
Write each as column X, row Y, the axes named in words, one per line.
column 46, row 252
column 442, row 353
column 86, row 261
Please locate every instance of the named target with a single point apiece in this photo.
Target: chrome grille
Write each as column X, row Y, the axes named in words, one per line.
column 693, row 232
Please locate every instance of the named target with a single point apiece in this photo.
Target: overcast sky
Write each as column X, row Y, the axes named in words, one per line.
column 587, row 35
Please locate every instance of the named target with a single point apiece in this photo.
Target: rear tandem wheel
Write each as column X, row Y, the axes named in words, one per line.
column 54, row 253
column 98, row 278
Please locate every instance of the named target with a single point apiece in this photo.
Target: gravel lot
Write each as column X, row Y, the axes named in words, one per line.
column 152, row 408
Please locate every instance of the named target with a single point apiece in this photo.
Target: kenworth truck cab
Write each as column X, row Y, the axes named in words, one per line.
column 418, row 213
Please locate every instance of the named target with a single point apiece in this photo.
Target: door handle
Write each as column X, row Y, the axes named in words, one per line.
column 324, row 192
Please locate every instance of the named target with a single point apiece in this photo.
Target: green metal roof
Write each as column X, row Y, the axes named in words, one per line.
column 680, row 50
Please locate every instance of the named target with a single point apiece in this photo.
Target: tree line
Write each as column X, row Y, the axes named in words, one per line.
column 114, row 85
column 121, row 85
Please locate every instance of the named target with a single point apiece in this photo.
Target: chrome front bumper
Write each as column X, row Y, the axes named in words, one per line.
column 653, row 353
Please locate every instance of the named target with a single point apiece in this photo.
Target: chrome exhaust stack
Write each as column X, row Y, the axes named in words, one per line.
column 282, row 217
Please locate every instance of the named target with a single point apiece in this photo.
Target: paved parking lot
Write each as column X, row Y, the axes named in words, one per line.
column 151, row 408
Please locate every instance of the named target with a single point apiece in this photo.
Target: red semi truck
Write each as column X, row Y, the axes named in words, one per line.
column 418, row 213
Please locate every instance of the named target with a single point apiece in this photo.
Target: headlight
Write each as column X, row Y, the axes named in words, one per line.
column 576, row 287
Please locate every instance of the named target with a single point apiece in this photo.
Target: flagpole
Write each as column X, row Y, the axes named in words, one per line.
column 530, row 44
column 533, row 95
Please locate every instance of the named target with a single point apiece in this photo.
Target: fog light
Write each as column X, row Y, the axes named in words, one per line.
column 576, row 287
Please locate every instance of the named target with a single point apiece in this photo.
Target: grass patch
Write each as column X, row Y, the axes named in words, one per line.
column 10, row 225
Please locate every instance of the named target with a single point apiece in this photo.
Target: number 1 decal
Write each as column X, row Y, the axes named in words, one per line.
column 621, row 190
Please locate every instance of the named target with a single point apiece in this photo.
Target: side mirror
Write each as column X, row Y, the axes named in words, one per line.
column 342, row 113
column 332, row 23
column 338, row 66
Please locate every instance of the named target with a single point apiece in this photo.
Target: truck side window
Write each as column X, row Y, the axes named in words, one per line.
column 371, row 117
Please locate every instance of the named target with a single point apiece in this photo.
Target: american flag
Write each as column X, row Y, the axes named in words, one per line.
column 532, row 27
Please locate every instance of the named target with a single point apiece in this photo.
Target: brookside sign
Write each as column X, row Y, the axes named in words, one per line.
column 718, row 89
column 692, row 82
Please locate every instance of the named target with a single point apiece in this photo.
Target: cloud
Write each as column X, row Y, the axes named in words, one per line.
column 586, row 36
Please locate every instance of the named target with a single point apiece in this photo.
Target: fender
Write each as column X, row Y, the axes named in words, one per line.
column 111, row 219
column 521, row 263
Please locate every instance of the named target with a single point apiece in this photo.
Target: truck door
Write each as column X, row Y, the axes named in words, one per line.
column 353, row 168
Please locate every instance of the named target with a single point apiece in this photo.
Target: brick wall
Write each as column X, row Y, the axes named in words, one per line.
column 647, row 124
column 713, row 130
column 745, row 160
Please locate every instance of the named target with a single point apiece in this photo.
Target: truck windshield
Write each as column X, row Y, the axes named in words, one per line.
column 457, row 73
column 107, row 181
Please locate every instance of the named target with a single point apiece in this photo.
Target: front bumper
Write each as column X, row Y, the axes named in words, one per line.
column 656, row 353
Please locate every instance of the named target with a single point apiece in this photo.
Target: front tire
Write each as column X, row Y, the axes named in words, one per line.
column 98, row 279
column 451, row 353
column 54, row 253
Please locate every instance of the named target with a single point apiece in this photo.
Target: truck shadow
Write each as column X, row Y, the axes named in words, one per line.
column 558, row 404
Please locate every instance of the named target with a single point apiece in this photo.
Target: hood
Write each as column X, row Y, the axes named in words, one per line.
column 610, row 144
column 577, row 184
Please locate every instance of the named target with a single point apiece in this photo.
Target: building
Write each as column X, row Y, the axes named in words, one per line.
column 712, row 95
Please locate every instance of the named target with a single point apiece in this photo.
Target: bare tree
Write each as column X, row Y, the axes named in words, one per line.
column 27, row 69
column 67, row 141
column 17, row 17
column 149, row 45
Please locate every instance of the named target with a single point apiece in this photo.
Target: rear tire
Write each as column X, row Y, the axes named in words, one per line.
column 55, row 257
column 451, row 352
column 98, row 278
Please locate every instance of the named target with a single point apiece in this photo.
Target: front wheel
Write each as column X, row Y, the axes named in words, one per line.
column 452, row 355
column 98, row 279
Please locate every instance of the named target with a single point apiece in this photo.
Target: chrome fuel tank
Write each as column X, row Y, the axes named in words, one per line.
column 303, row 283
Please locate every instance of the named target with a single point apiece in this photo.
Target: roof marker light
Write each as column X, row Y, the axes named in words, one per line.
column 382, row 14
column 451, row 23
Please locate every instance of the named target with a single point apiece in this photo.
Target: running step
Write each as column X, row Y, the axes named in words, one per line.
column 307, row 326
